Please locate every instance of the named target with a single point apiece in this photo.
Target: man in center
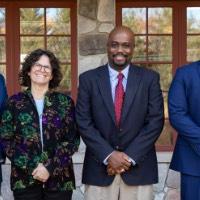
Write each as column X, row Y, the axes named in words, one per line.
column 120, row 116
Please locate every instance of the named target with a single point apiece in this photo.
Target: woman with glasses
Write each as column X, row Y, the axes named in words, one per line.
column 38, row 132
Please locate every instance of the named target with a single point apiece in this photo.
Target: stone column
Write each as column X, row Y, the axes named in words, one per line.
column 95, row 21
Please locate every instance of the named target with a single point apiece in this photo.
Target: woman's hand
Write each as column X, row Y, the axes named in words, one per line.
column 41, row 173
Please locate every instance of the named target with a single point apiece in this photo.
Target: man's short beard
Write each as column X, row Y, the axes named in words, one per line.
column 127, row 62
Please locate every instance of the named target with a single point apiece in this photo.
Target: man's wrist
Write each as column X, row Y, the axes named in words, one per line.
column 132, row 161
column 105, row 161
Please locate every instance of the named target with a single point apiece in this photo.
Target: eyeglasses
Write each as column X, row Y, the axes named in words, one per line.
column 38, row 66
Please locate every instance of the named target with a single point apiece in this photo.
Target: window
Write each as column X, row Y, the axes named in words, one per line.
column 167, row 35
column 25, row 26
column 2, row 42
column 193, row 33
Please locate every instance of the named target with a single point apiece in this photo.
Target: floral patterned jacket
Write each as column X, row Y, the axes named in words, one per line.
column 20, row 137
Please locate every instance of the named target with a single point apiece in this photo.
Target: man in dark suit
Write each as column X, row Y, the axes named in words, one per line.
column 3, row 97
column 184, row 115
column 120, row 116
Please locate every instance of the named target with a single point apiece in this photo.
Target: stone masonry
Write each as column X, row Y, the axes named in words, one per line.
column 96, row 18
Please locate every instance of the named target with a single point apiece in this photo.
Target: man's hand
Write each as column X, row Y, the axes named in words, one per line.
column 112, row 172
column 118, row 161
column 41, row 173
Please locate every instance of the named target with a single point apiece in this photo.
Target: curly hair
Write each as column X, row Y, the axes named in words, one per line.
column 31, row 59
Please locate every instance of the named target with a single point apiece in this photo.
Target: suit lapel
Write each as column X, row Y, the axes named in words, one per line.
column 134, row 78
column 103, row 82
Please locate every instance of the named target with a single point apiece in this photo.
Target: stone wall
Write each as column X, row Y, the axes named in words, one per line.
column 95, row 21
column 96, row 18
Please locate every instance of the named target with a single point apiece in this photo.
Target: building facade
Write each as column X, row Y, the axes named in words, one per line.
column 167, row 35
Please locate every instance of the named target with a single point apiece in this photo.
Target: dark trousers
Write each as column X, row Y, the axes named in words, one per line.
column 39, row 193
column 190, row 187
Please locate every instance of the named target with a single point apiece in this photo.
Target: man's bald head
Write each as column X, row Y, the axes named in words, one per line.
column 120, row 47
column 121, row 29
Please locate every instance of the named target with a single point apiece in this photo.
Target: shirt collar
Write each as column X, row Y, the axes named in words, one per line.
column 113, row 73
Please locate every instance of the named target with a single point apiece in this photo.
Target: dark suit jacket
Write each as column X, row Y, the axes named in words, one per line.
column 141, row 124
column 3, row 93
column 3, row 98
column 184, row 113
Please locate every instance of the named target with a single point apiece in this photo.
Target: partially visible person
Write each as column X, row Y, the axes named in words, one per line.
column 3, row 98
column 120, row 116
column 38, row 132
column 184, row 116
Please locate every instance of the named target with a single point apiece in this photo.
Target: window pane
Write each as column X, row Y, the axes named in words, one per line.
column 193, row 20
column 139, row 53
column 3, row 70
column 58, row 21
column 166, row 135
column 135, row 18
column 61, row 46
column 29, row 44
column 165, row 71
column 193, row 50
column 2, row 21
column 160, row 20
column 65, row 84
column 2, row 49
column 31, row 21
column 160, row 48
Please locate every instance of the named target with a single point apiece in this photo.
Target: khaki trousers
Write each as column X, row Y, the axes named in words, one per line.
column 118, row 190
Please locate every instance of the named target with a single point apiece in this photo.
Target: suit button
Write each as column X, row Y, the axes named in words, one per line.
column 120, row 130
column 117, row 147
